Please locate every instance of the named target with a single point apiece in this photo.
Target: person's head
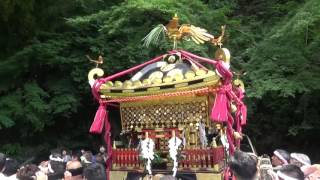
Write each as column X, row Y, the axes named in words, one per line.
column 312, row 170
column 76, row 155
column 56, row 163
column 64, row 152
column 74, row 171
column 94, row 171
column 99, row 159
column 88, row 157
column 43, row 166
column 56, row 166
column 299, row 159
column 2, row 161
column 102, row 149
column 27, row 172
column 73, row 165
column 243, row 165
column 291, row 172
column 11, row 167
column 280, row 157
column 56, row 152
column 40, row 175
column 83, row 151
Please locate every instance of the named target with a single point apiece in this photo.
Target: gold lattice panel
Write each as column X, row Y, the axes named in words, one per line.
column 168, row 113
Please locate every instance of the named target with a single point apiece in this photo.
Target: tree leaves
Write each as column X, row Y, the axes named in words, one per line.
column 285, row 54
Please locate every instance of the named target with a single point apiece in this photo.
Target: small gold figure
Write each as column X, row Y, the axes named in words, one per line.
column 218, row 41
column 97, row 62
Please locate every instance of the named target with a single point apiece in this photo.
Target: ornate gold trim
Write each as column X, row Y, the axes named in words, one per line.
column 171, row 100
column 156, row 90
column 147, row 82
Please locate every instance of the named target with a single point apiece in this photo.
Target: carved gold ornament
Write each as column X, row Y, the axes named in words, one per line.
column 223, row 54
column 94, row 74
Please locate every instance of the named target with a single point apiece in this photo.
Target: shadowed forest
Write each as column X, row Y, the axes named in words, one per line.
column 45, row 98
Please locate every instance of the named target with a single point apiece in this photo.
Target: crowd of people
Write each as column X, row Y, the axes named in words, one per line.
column 78, row 165
column 282, row 166
column 83, row 165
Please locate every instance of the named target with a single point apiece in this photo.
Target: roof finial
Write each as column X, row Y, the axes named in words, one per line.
column 97, row 62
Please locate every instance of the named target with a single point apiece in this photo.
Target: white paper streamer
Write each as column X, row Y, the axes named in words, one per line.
column 147, row 146
column 173, row 145
column 202, row 135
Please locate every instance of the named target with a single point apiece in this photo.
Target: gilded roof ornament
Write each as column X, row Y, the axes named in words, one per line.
column 176, row 32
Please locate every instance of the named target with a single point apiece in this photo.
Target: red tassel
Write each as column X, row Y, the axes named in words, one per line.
column 219, row 110
column 99, row 119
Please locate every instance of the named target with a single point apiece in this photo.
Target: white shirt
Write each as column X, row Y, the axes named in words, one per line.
column 3, row 177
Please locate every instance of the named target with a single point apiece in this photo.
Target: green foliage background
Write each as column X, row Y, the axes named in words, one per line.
column 45, row 100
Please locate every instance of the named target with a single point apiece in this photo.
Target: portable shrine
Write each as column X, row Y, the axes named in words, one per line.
column 180, row 113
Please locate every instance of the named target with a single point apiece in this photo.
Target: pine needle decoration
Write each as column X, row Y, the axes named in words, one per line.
column 154, row 35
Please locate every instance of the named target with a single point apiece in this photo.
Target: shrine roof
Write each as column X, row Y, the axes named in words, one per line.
column 171, row 74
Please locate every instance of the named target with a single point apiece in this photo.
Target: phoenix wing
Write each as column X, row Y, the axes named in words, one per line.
column 197, row 34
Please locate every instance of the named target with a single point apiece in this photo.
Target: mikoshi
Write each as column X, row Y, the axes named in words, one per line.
column 181, row 114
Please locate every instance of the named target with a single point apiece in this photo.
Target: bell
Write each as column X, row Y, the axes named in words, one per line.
column 233, row 108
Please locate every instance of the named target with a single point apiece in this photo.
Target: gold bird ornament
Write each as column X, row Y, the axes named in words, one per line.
column 218, row 41
column 97, row 62
column 176, row 32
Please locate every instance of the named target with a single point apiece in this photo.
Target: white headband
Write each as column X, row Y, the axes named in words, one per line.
column 50, row 168
column 280, row 157
column 284, row 176
column 296, row 156
column 55, row 158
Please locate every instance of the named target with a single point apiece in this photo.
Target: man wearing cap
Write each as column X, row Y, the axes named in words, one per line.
column 299, row 159
column 56, row 166
column 280, row 157
column 311, row 172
